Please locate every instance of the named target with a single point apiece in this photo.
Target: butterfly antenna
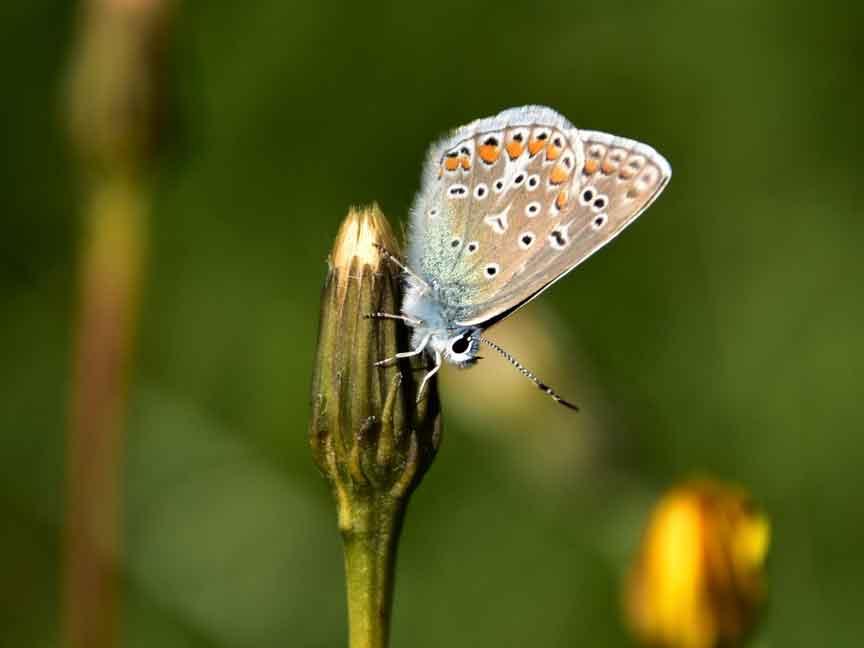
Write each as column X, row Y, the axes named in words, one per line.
column 529, row 375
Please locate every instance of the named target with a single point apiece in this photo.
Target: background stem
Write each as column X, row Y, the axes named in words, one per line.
column 112, row 109
column 112, row 261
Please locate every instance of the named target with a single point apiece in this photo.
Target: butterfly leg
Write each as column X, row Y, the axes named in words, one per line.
column 431, row 373
column 387, row 255
column 403, row 318
column 406, row 354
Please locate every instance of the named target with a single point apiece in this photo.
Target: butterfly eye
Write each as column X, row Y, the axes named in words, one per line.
column 460, row 345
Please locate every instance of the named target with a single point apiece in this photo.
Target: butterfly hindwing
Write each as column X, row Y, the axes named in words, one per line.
column 512, row 203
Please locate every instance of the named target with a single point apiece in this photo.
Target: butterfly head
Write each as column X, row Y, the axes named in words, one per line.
column 456, row 346
column 435, row 329
column 461, row 347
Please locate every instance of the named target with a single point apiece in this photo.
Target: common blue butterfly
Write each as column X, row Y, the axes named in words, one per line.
column 508, row 205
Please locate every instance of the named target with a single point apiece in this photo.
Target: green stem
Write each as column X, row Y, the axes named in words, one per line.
column 370, row 538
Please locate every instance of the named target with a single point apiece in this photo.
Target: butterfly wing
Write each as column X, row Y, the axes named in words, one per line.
column 512, row 203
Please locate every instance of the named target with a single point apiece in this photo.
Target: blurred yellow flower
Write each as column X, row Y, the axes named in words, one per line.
column 698, row 579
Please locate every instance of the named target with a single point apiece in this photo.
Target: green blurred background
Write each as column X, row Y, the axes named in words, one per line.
column 722, row 334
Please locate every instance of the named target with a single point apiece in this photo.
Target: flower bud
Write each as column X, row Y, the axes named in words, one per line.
column 369, row 435
column 698, row 579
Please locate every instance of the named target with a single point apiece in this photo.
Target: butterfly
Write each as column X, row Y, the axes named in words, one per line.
column 508, row 205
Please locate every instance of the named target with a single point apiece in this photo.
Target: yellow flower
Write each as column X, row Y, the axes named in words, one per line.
column 698, row 579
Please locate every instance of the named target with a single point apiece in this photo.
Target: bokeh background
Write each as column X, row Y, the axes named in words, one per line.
column 720, row 335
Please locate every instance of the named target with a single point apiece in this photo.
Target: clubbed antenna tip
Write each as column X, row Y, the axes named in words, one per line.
column 530, row 376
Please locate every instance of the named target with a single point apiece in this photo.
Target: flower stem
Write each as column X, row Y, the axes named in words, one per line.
column 370, row 560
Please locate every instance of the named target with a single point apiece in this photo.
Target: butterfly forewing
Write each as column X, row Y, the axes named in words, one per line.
column 515, row 202
column 476, row 184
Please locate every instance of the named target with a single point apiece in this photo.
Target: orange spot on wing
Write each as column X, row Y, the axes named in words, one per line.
column 626, row 174
column 465, row 162
column 451, row 163
column 552, row 151
column 607, row 167
column 535, row 145
column 559, row 174
column 561, row 199
column 514, row 149
column 591, row 167
column 488, row 153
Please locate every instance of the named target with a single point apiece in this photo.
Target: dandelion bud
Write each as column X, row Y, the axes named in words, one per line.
column 368, row 435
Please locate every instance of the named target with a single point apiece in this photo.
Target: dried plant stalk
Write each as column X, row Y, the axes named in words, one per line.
column 112, row 108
